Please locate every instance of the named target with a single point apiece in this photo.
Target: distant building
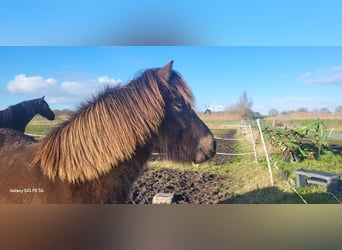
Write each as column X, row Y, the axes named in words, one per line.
column 207, row 111
column 213, row 108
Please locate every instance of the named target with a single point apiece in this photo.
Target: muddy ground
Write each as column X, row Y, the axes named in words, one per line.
column 188, row 186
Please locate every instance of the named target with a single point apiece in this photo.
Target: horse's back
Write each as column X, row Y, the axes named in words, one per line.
column 16, row 152
column 10, row 137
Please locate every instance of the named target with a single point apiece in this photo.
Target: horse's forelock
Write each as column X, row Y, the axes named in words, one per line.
column 182, row 88
column 174, row 85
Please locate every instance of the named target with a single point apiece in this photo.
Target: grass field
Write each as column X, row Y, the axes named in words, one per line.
column 39, row 126
column 250, row 182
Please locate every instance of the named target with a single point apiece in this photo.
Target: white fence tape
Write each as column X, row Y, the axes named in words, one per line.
column 228, row 139
column 249, row 153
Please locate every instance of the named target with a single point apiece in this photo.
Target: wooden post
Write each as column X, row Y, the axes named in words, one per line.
column 265, row 150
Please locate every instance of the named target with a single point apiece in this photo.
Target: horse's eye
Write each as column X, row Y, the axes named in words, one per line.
column 178, row 107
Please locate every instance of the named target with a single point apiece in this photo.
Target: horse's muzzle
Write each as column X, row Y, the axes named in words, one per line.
column 206, row 150
column 51, row 118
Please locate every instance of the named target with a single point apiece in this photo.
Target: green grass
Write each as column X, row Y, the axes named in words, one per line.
column 296, row 123
column 328, row 162
column 251, row 182
column 334, row 140
column 41, row 126
column 218, row 132
column 329, row 123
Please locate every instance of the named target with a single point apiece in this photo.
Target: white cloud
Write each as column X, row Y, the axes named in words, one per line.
column 64, row 92
column 30, row 84
column 337, row 68
column 75, row 88
column 60, row 100
column 323, row 76
column 107, row 80
column 84, row 88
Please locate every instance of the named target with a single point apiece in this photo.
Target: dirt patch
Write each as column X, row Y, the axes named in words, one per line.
column 224, row 146
column 188, row 186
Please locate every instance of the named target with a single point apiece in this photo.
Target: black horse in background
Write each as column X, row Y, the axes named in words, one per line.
column 19, row 115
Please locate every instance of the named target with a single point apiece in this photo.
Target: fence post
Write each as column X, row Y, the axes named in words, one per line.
column 330, row 132
column 243, row 127
column 265, row 150
column 253, row 142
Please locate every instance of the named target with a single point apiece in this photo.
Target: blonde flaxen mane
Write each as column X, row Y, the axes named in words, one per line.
column 107, row 129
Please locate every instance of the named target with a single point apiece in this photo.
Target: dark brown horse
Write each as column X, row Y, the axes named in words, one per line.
column 97, row 155
column 19, row 115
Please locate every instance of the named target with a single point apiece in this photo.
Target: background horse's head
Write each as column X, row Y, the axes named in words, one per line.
column 43, row 109
column 19, row 115
column 182, row 135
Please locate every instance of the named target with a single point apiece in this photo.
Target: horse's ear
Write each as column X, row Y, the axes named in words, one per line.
column 165, row 71
column 43, row 97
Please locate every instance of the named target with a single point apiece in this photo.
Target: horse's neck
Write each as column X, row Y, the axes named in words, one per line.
column 23, row 117
column 7, row 118
column 114, row 186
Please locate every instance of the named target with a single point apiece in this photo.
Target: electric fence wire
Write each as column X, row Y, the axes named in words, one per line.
column 287, row 181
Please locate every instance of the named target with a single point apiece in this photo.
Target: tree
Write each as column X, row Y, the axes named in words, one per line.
column 324, row 110
column 244, row 105
column 303, row 110
column 273, row 112
column 338, row 109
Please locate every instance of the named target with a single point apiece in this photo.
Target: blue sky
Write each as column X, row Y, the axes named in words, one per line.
column 206, row 22
column 281, row 77
column 285, row 54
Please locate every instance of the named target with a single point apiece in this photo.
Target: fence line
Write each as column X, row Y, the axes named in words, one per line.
column 217, row 138
column 265, row 150
column 222, row 124
column 225, row 126
column 243, row 130
column 229, row 154
column 228, row 139
column 288, row 183
column 333, row 195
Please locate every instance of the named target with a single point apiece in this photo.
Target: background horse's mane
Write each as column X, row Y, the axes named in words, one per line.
column 28, row 104
column 107, row 129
